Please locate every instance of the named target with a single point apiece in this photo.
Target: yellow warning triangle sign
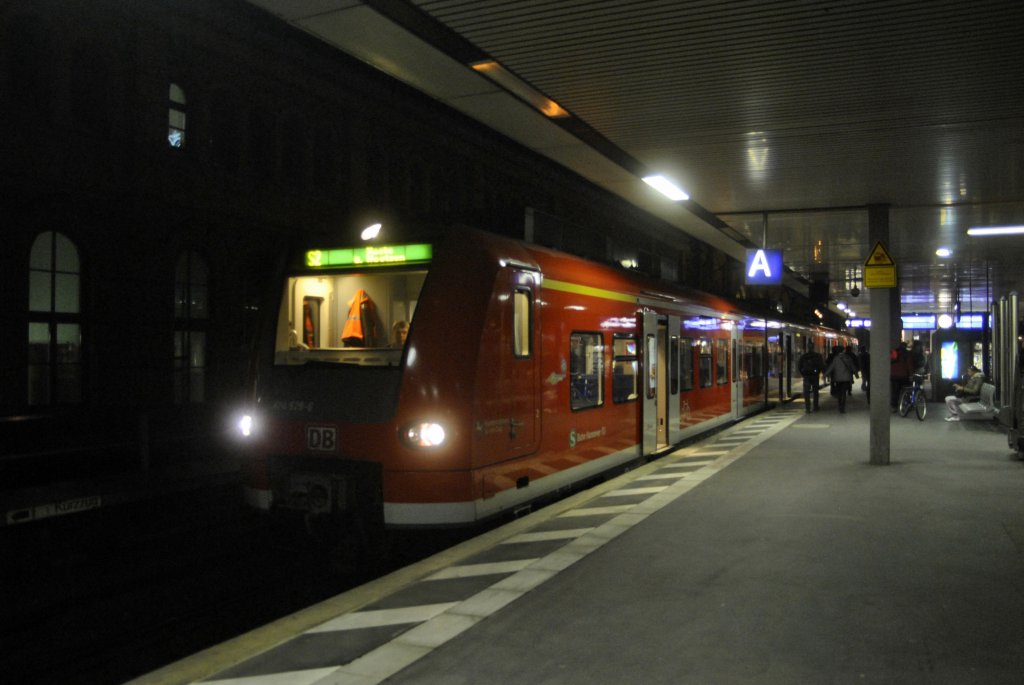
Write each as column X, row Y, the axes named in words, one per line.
column 879, row 257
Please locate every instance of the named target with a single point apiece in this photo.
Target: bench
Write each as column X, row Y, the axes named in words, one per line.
column 983, row 409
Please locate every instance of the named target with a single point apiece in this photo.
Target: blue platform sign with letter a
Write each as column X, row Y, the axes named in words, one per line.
column 764, row 267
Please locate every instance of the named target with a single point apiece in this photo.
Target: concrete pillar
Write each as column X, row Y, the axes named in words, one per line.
column 882, row 340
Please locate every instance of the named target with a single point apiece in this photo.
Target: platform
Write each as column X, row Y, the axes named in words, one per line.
column 770, row 553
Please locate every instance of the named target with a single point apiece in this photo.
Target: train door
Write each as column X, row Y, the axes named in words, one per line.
column 650, row 418
column 665, row 369
column 505, row 413
column 737, row 378
column 519, row 370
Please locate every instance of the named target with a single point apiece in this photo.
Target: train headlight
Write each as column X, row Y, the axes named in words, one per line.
column 246, row 425
column 424, row 434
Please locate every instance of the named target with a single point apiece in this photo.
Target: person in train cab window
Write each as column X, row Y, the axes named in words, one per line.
column 968, row 392
column 399, row 332
column 841, row 370
column 900, row 371
column 810, row 366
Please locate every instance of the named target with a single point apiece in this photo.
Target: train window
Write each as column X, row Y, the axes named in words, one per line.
column 722, row 361
column 176, row 117
column 54, row 326
column 673, row 364
column 686, row 364
column 624, row 368
column 652, row 367
column 521, row 323
column 704, row 346
column 354, row 318
column 586, row 370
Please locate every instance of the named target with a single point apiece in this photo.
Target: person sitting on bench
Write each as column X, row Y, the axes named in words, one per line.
column 968, row 392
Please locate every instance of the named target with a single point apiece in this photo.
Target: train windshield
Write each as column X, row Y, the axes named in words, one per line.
column 347, row 318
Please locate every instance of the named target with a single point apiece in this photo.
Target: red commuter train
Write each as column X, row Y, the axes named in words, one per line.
column 444, row 386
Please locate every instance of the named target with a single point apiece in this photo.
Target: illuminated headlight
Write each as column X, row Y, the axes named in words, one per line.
column 424, row 434
column 245, row 425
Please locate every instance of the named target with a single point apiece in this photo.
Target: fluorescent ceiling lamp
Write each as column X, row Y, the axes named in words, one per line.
column 944, row 252
column 370, row 232
column 995, row 230
column 666, row 187
column 513, row 84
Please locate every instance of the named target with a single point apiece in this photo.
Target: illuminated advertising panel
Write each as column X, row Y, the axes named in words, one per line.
column 949, row 359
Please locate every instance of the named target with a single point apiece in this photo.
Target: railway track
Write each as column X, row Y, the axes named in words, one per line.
column 109, row 595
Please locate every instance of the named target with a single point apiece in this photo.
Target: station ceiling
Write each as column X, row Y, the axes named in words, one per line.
column 783, row 121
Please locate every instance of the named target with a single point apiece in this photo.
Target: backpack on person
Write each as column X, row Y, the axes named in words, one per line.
column 809, row 364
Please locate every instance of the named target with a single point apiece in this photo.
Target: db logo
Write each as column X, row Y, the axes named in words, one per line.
column 321, row 438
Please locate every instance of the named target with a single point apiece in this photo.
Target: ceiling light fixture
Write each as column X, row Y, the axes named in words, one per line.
column 666, row 187
column 944, row 252
column 995, row 230
column 370, row 232
column 524, row 91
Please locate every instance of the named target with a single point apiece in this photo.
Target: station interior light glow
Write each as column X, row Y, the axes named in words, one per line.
column 995, row 230
column 666, row 187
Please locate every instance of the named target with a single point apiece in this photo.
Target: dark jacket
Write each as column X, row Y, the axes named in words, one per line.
column 811, row 363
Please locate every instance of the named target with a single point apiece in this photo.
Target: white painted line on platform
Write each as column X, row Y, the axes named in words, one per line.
column 696, row 463
column 474, row 570
column 383, row 617
column 626, row 492
column 663, row 476
column 547, row 535
column 590, row 511
column 307, row 677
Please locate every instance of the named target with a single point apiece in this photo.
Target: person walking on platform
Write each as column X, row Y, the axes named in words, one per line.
column 810, row 366
column 864, row 359
column 841, row 370
column 901, row 368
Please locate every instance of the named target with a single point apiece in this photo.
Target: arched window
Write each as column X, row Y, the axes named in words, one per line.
column 191, row 311
column 176, row 117
column 54, row 321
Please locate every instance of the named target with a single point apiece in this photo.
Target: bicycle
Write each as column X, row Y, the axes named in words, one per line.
column 913, row 396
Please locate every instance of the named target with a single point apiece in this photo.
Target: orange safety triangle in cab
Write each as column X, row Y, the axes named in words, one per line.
column 354, row 324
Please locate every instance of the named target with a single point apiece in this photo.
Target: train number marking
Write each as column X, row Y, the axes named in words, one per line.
column 321, row 438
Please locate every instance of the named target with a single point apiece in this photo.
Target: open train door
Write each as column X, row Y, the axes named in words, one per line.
column 736, row 379
column 650, row 418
